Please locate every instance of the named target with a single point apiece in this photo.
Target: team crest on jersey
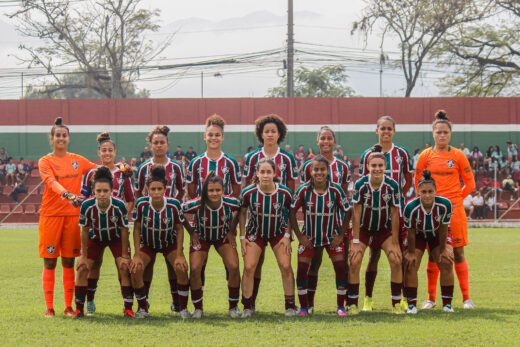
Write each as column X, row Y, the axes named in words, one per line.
column 225, row 170
column 344, row 201
column 301, row 248
column 75, row 165
column 399, row 160
column 277, row 206
column 224, row 218
column 366, row 196
column 200, row 169
column 330, row 205
column 114, row 219
column 166, row 220
column 120, row 181
column 251, row 238
column 451, row 163
column 172, row 176
column 337, row 174
column 51, row 249
column 282, row 167
column 438, row 218
column 386, row 197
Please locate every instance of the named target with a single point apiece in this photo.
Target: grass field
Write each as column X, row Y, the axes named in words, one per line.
column 493, row 257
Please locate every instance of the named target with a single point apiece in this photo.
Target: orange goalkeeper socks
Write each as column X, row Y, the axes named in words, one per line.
column 48, row 287
column 432, row 274
column 461, row 269
column 68, row 285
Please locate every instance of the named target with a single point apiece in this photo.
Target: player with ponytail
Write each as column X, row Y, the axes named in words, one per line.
column 427, row 218
column 448, row 165
column 58, row 230
column 104, row 223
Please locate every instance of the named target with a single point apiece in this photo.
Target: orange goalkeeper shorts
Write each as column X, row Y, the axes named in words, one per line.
column 459, row 225
column 59, row 236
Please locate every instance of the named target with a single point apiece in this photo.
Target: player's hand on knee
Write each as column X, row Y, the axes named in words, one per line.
column 81, row 265
column 124, row 264
column 180, row 263
column 136, row 264
column 410, row 259
column 232, row 239
column 305, row 241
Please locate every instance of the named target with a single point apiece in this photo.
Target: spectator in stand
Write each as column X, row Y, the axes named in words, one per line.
column 10, row 170
column 288, row 149
column 497, row 153
column 135, row 166
column 468, row 205
column 490, row 205
column 190, row 154
column 428, row 145
column 145, row 155
column 508, row 185
column 2, row 172
column 179, row 156
column 299, row 156
column 249, row 150
column 23, row 169
column 488, row 158
column 464, row 150
column 338, row 153
column 512, row 151
column 415, row 157
column 310, row 154
column 476, row 158
column 19, row 188
column 478, row 205
column 3, row 155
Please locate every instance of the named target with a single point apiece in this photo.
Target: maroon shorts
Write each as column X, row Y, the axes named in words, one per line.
column 95, row 248
column 348, row 235
column 421, row 242
column 152, row 252
column 206, row 245
column 262, row 243
column 374, row 239
column 309, row 252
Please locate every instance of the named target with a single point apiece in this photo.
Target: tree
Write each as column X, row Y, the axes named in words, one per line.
column 418, row 24
column 104, row 39
column 76, row 86
column 485, row 56
column 326, row 81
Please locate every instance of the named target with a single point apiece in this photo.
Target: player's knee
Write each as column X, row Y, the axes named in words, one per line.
column 394, row 261
column 286, row 269
column 233, row 268
column 249, row 268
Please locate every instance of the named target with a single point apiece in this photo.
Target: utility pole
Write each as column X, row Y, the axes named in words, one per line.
column 290, row 50
column 381, row 63
column 22, row 85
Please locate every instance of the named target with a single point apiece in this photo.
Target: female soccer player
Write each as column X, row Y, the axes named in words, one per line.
column 122, row 188
column 398, row 168
column 427, row 219
column 104, row 222
column 213, row 213
column 375, row 225
column 268, row 204
column 270, row 131
column 159, row 144
column 158, row 228
column 320, row 200
column 339, row 173
column 58, row 229
column 447, row 165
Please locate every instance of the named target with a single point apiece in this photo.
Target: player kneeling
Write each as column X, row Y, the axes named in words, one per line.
column 213, row 216
column 158, row 229
column 375, row 225
column 427, row 219
column 321, row 201
column 104, row 222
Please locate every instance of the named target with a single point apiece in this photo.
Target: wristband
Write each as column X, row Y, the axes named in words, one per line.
column 242, row 237
column 65, row 195
column 287, row 235
column 355, row 240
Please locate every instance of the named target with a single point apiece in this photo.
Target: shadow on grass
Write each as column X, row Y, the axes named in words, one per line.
column 223, row 320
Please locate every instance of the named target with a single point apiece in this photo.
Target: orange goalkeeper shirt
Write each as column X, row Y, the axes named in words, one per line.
column 447, row 168
column 61, row 174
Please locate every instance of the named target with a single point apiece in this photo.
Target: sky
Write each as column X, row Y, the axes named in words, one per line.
column 207, row 30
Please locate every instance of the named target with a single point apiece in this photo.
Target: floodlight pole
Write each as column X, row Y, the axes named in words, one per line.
column 290, row 50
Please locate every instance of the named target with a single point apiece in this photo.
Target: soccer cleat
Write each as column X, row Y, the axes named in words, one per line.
column 91, row 308
column 304, row 312
column 448, row 308
column 397, row 309
column 174, row 307
column 128, row 314
column 290, row 312
column 49, row 313
column 341, row 312
column 186, row 314
column 68, row 311
column 353, row 310
column 233, row 313
column 78, row 315
column 468, row 304
column 428, row 304
column 197, row 313
column 247, row 313
column 141, row 313
column 368, row 305
column 404, row 303
column 412, row 309
column 311, row 309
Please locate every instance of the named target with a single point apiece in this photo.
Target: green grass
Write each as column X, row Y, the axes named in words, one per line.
column 493, row 258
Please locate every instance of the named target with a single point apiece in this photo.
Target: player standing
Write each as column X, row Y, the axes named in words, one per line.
column 447, row 165
column 320, row 200
column 213, row 213
column 104, row 223
column 398, row 168
column 267, row 203
column 427, row 220
column 122, row 188
column 270, row 131
column 58, row 229
column 159, row 144
column 158, row 228
column 375, row 224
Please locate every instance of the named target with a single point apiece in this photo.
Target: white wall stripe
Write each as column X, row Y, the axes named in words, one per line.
column 249, row 128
